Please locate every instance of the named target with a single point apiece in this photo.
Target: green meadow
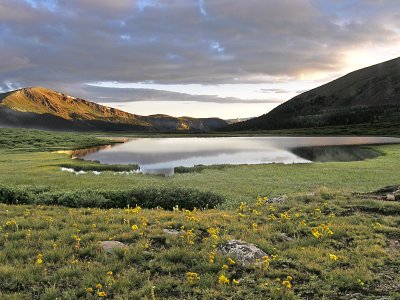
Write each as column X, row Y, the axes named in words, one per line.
column 328, row 240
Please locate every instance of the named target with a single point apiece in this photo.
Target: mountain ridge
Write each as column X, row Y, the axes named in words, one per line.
column 366, row 95
column 31, row 106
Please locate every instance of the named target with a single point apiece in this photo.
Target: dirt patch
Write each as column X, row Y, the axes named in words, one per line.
column 387, row 193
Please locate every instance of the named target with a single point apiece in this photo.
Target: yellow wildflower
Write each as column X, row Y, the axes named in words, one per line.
column 287, row 284
column 211, row 257
column 231, row 261
column 254, row 225
column 134, row 227
column 102, row 294
column 137, row 209
column 223, row 279
column 315, row 232
column 39, row 259
column 235, row 281
column 225, row 267
column 266, row 260
column 192, row 277
column 333, row 257
column 285, row 215
column 89, row 290
column 109, row 273
column 99, row 286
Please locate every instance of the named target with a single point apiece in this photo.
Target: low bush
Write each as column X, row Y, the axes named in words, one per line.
column 150, row 197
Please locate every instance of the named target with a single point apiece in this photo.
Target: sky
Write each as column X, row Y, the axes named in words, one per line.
column 200, row 58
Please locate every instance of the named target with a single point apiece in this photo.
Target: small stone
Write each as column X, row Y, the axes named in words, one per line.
column 245, row 253
column 284, row 237
column 110, row 246
column 171, row 231
column 277, row 200
column 390, row 197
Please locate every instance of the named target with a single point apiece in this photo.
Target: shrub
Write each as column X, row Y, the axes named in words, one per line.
column 148, row 197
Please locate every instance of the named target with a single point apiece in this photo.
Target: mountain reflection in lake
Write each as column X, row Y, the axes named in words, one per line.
column 162, row 155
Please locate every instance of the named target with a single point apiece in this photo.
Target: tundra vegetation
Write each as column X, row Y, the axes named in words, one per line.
column 327, row 239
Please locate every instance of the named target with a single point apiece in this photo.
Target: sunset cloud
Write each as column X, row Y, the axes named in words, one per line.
column 63, row 44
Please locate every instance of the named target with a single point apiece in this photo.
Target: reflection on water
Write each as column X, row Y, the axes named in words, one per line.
column 161, row 155
column 335, row 153
column 83, row 152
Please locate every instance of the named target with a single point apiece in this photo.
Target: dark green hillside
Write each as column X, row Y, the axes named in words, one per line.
column 369, row 95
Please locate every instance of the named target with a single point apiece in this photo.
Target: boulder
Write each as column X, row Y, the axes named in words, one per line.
column 245, row 253
column 110, row 246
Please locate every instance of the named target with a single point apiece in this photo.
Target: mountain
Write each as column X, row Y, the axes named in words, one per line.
column 37, row 107
column 369, row 95
column 237, row 120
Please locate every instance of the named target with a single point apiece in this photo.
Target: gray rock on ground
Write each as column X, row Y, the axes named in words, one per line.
column 284, row 237
column 277, row 200
column 110, row 246
column 245, row 253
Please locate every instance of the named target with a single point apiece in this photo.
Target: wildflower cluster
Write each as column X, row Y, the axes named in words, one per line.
column 285, row 215
column 12, row 224
column 213, row 232
column 99, row 289
column 187, row 235
column 39, row 259
column 189, row 215
column 192, row 277
column 211, row 257
column 287, row 282
column 321, row 230
column 222, row 279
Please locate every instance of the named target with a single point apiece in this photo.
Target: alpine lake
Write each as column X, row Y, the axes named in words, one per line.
column 163, row 155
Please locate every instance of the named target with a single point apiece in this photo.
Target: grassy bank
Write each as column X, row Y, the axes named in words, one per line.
column 322, row 246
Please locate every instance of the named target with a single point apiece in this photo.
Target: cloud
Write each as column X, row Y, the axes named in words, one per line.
column 277, row 91
column 70, row 42
column 202, row 8
column 120, row 95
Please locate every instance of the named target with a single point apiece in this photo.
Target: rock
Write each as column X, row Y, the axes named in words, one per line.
column 390, row 197
column 284, row 237
column 247, row 254
column 110, row 246
column 277, row 200
column 171, row 231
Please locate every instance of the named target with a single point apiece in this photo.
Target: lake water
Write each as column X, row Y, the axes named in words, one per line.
column 162, row 155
